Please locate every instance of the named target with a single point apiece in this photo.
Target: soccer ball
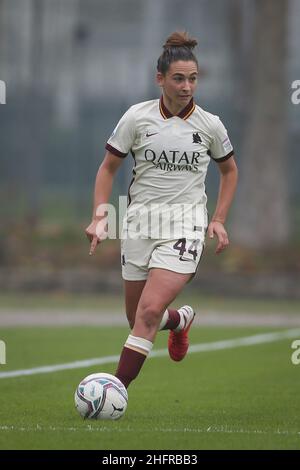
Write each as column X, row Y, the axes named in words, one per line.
column 101, row 396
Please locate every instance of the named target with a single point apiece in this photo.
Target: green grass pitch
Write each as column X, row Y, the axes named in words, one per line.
column 238, row 398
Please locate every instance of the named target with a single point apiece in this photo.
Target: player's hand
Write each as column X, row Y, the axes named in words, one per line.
column 218, row 229
column 96, row 233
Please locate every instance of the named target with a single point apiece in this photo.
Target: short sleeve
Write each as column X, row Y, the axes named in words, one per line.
column 221, row 148
column 123, row 136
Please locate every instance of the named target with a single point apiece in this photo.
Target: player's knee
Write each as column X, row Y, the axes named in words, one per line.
column 150, row 316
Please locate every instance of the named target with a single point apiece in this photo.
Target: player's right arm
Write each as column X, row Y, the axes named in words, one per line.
column 117, row 146
column 103, row 187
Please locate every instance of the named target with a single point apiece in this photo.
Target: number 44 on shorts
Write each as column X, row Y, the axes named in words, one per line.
column 181, row 246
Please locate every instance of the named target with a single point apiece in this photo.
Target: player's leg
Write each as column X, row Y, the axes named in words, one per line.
column 183, row 256
column 135, row 259
column 133, row 291
column 135, row 255
column 161, row 288
column 171, row 319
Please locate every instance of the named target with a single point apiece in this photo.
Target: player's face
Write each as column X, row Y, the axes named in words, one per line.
column 179, row 83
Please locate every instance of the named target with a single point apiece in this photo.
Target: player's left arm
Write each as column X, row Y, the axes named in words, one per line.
column 228, row 182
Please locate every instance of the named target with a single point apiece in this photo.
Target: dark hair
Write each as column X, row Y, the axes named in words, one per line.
column 178, row 46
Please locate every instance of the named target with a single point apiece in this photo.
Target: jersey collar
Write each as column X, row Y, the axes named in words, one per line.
column 184, row 113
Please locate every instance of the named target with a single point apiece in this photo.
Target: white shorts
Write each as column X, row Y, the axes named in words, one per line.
column 138, row 256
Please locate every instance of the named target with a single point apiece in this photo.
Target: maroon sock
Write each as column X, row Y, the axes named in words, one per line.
column 173, row 320
column 130, row 364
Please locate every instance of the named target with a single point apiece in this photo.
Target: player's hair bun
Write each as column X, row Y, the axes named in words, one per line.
column 178, row 46
column 180, row 39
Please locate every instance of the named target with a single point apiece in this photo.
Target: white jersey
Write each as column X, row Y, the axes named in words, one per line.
column 171, row 154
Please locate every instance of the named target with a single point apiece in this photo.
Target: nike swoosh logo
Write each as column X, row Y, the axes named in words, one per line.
column 183, row 259
column 149, row 135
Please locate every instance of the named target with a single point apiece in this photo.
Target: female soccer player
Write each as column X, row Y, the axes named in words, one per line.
column 172, row 141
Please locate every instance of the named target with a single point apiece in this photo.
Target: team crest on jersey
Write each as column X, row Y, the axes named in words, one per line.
column 196, row 138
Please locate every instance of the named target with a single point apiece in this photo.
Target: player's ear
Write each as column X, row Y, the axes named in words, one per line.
column 159, row 79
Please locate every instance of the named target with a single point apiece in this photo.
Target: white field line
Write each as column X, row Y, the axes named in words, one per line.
column 223, row 429
column 212, row 346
